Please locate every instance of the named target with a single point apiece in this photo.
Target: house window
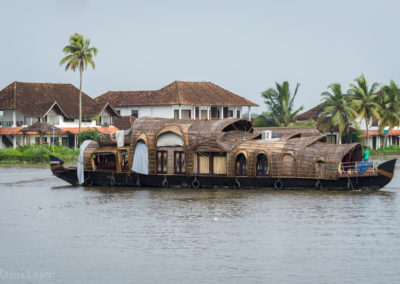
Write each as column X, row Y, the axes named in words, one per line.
column 67, row 119
column 176, row 113
column 135, row 113
column 230, row 113
column 37, row 140
column 241, row 166
column 186, row 114
column 212, row 163
column 262, row 165
column 179, row 165
column 197, row 109
column 162, row 162
column 204, row 114
column 124, row 161
column 104, row 161
column 65, row 141
column 238, row 114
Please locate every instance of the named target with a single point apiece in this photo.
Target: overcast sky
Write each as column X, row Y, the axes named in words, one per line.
column 242, row 46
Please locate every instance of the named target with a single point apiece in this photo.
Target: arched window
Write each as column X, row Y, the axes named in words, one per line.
column 169, row 139
column 241, row 167
column 262, row 168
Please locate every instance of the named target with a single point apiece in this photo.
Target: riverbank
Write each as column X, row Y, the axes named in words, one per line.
column 36, row 155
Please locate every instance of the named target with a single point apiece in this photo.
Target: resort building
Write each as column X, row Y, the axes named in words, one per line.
column 179, row 100
column 375, row 140
column 23, row 104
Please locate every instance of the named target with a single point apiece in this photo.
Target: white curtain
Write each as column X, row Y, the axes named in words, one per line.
column 80, row 170
column 120, row 137
column 140, row 160
column 169, row 139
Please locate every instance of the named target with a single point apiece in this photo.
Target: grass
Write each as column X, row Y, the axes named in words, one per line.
column 36, row 154
column 392, row 149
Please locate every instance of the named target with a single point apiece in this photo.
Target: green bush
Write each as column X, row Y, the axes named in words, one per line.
column 37, row 153
column 261, row 121
column 90, row 134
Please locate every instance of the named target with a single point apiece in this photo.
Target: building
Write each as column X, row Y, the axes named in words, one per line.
column 23, row 104
column 180, row 100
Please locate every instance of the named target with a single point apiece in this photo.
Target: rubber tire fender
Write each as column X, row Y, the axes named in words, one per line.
column 278, row 185
column 164, row 183
column 318, row 185
column 195, row 184
column 112, row 181
column 236, row 184
column 139, row 183
column 88, row 181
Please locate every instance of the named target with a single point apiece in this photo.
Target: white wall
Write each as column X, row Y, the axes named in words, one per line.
column 167, row 111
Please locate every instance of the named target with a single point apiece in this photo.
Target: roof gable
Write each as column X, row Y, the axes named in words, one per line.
column 35, row 99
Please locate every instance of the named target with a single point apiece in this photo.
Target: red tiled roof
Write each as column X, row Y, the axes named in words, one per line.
column 310, row 114
column 35, row 99
column 394, row 132
column 10, row 130
column 178, row 92
column 72, row 130
column 101, row 130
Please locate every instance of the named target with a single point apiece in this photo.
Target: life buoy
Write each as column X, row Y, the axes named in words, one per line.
column 139, row 183
column 195, row 184
column 236, row 184
column 318, row 185
column 278, row 185
column 184, row 184
column 112, row 181
column 88, row 181
column 164, row 183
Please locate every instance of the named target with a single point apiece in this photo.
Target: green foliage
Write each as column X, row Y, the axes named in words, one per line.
column 36, row 153
column 390, row 103
column 338, row 108
column 280, row 103
column 392, row 149
column 366, row 100
column 353, row 137
column 78, row 53
column 310, row 123
column 261, row 121
column 90, row 134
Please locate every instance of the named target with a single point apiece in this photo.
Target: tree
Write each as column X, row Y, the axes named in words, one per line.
column 391, row 108
column 366, row 101
column 338, row 108
column 280, row 103
column 90, row 134
column 78, row 56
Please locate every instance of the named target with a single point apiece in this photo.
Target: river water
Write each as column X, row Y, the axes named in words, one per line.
column 54, row 233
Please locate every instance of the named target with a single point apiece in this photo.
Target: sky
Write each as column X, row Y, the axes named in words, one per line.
column 242, row 46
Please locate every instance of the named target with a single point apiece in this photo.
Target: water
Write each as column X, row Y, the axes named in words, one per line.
column 54, row 233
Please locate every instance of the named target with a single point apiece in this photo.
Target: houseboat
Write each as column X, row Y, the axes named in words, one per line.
column 227, row 153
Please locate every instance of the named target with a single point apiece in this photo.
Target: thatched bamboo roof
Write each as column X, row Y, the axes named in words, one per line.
column 42, row 128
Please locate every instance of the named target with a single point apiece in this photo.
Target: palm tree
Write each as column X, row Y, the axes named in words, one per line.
column 280, row 103
column 338, row 108
column 78, row 56
column 366, row 101
column 391, row 108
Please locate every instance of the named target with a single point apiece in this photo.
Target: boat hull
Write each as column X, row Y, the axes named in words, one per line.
column 104, row 178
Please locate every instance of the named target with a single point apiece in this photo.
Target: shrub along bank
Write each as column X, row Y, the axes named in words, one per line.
column 36, row 154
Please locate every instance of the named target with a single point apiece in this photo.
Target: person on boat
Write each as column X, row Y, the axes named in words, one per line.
column 366, row 154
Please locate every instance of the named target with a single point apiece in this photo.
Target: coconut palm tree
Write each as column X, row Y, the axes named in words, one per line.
column 391, row 108
column 78, row 56
column 338, row 108
column 280, row 103
column 366, row 100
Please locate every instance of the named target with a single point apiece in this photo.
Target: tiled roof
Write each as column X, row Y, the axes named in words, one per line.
column 393, row 132
column 72, row 130
column 35, row 99
column 178, row 92
column 310, row 114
